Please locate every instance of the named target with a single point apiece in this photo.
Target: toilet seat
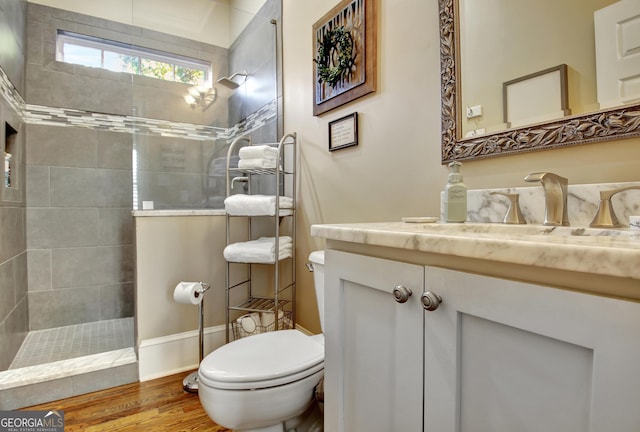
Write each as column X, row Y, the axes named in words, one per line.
column 264, row 360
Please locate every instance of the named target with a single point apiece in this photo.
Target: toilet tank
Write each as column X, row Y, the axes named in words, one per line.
column 317, row 261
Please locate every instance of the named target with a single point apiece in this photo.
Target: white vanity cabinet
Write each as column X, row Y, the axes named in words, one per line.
column 510, row 356
column 496, row 354
column 373, row 345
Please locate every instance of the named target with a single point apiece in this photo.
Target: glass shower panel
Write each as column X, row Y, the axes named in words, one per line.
column 178, row 173
column 182, row 132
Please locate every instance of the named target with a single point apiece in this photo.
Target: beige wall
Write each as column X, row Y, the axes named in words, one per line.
column 170, row 250
column 395, row 171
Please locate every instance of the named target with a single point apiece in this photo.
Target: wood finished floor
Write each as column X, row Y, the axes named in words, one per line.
column 157, row 406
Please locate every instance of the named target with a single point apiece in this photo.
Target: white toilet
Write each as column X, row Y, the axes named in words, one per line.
column 265, row 382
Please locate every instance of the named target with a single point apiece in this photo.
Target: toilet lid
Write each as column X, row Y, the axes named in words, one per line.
column 262, row 357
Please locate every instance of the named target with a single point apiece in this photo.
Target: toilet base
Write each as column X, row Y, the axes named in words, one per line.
column 272, row 428
column 311, row 420
column 249, row 410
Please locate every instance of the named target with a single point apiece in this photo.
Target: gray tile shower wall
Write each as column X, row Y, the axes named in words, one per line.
column 56, row 84
column 13, row 22
column 79, row 225
column 254, row 51
column 83, row 124
column 14, row 321
column 79, row 179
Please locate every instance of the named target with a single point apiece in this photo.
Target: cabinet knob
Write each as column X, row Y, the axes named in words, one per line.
column 401, row 293
column 430, row 301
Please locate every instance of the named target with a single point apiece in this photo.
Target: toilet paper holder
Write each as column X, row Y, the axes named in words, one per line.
column 190, row 383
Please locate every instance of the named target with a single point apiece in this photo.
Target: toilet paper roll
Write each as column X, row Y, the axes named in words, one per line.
column 268, row 319
column 187, row 293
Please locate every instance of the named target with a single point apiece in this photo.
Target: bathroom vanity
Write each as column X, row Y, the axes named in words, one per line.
column 530, row 328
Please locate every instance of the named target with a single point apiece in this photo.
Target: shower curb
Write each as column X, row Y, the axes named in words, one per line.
column 40, row 384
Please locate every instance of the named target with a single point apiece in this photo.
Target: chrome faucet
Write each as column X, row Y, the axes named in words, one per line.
column 555, row 197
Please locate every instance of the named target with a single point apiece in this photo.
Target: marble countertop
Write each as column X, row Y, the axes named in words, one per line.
column 587, row 250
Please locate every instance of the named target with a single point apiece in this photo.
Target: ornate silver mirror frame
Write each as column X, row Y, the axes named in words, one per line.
column 620, row 122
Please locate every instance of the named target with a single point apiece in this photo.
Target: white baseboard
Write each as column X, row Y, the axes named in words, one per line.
column 175, row 353
column 172, row 354
column 303, row 330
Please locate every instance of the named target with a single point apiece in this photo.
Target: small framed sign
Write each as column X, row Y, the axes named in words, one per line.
column 343, row 132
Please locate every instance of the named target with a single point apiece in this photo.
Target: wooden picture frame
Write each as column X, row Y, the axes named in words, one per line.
column 343, row 132
column 345, row 55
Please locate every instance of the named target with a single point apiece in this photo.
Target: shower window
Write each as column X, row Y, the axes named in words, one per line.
column 115, row 56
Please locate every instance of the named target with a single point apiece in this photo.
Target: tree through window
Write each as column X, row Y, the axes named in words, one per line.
column 119, row 57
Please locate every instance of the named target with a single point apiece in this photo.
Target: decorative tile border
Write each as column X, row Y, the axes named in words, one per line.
column 255, row 121
column 11, row 94
column 38, row 114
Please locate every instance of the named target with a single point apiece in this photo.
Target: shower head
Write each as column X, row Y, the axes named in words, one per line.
column 228, row 81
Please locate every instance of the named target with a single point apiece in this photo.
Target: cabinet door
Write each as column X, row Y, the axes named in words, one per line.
column 507, row 356
column 373, row 345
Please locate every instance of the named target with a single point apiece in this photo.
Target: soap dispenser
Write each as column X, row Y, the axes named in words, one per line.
column 455, row 195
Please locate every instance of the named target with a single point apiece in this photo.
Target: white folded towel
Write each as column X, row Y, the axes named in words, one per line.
column 256, row 163
column 259, row 156
column 259, row 251
column 258, row 152
column 255, row 205
column 256, row 256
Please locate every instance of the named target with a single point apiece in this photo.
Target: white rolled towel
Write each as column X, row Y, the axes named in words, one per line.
column 258, row 152
column 255, row 205
column 259, row 251
column 249, row 324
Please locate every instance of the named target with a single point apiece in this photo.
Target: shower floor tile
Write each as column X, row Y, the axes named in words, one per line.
column 62, row 343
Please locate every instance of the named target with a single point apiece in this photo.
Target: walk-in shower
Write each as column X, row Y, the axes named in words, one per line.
column 90, row 165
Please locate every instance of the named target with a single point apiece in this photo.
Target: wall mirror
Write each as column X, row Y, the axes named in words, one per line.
column 487, row 43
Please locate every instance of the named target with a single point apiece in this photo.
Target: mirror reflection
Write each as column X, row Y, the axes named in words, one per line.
column 503, row 41
column 503, row 94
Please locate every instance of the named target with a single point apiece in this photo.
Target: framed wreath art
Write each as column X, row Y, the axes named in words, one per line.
column 345, row 55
